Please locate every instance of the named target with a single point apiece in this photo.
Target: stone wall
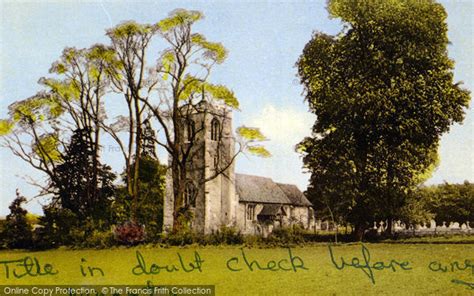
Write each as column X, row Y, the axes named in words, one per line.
column 301, row 216
column 295, row 215
column 248, row 226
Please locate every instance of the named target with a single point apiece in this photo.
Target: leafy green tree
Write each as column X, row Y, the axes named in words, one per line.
column 39, row 128
column 450, row 202
column 152, row 175
column 136, row 82
column 56, row 228
column 152, row 190
column 416, row 209
column 82, row 77
column 79, row 190
column 150, row 206
column 383, row 93
column 31, row 132
column 17, row 233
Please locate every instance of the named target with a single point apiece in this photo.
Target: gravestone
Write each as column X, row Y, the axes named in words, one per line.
column 398, row 226
column 454, row 225
column 381, row 228
column 317, row 225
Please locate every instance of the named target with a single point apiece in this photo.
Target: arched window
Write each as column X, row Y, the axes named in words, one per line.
column 190, row 194
column 215, row 130
column 191, row 129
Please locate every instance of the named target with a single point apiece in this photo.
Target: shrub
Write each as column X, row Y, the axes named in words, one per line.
column 129, row 233
column 253, row 240
column 99, row 239
column 225, row 235
column 181, row 238
column 2, row 239
column 286, row 235
column 57, row 227
column 18, row 232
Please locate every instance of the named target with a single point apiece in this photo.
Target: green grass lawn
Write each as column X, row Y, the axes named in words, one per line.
column 320, row 278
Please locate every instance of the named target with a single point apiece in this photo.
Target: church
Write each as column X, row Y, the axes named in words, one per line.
column 217, row 196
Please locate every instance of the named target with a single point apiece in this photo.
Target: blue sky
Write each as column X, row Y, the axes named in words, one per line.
column 264, row 40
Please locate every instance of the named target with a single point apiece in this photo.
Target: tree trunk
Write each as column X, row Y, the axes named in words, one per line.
column 389, row 226
column 334, row 222
column 138, row 148
column 179, row 179
column 359, row 232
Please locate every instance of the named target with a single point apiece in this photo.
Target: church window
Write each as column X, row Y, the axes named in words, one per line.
column 250, row 212
column 190, row 194
column 191, row 129
column 215, row 129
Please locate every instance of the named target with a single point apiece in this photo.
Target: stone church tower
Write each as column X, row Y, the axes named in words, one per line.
column 210, row 186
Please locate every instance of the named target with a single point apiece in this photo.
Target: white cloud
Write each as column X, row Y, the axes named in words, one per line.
column 283, row 126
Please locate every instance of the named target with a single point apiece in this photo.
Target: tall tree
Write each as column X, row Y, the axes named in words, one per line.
column 31, row 132
column 136, row 83
column 18, row 232
column 82, row 79
column 149, row 209
column 39, row 128
column 383, row 93
column 450, row 202
column 79, row 175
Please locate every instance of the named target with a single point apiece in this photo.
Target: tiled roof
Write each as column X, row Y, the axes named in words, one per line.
column 263, row 190
column 294, row 194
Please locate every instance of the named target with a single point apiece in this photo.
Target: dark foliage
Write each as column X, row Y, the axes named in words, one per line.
column 17, row 232
column 224, row 235
column 450, row 202
column 85, row 188
column 56, row 228
column 286, row 236
column 149, row 208
column 130, row 233
column 383, row 93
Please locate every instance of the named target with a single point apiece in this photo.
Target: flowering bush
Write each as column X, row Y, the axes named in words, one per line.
column 130, row 233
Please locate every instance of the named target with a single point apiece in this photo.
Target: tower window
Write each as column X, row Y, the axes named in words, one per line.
column 191, row 129
column 215, row 129
column 190, row 194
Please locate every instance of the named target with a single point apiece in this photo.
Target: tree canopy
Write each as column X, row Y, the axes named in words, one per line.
column 383, row 93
